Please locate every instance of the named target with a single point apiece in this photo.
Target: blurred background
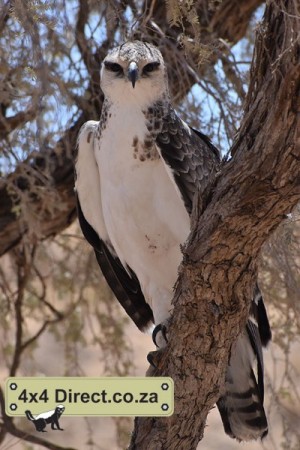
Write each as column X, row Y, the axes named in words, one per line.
column 57, row 315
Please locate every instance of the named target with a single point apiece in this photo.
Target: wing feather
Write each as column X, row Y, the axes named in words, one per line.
column 122, row 281
column 189, row 154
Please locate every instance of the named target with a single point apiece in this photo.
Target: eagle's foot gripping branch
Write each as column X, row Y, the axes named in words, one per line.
column 154, row 359
column 159, row 335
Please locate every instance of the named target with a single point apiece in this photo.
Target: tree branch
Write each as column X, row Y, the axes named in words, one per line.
column 253, row 193
column 81, row 41
column 23, row 274
column 8, row 124
column 4, row 15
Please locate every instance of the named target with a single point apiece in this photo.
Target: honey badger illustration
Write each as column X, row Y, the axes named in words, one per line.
column 41, row 420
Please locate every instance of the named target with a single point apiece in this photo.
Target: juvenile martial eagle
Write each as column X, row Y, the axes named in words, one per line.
column 137, row 171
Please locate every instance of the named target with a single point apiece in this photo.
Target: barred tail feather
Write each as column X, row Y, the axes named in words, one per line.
column 259, row 313
column 243, row 415
column 241, row 404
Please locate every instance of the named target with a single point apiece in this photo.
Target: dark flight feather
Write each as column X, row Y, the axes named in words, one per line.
column 126, row 287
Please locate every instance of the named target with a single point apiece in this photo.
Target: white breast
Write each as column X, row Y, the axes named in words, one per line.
column 144, row 215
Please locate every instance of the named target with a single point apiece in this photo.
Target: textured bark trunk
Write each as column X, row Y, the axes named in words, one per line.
column 251, row 197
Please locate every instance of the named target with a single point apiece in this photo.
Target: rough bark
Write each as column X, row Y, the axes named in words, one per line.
column 251, row 197
column 228, row 21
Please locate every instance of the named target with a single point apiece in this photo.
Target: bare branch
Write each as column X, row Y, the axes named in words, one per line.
column 8, row 124
column 4, row 15
column 82, row 42
column 23, row 274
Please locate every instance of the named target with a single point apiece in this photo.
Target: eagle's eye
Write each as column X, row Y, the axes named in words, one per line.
column 113, row 67
column 151, row 67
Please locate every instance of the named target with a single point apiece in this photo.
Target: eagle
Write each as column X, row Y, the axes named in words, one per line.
column 137, row 171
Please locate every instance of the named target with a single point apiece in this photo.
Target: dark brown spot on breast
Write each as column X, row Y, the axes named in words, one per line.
column 89, row 136
column 148, row 143
column 157, row 124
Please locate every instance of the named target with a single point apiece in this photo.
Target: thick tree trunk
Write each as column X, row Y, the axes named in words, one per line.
column 25, row 212
column 251, row 197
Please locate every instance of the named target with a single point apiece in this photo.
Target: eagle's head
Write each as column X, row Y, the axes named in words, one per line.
column 134, row 72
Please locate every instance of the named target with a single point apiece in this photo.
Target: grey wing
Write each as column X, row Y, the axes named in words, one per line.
column 122, row 280
column 189, row 154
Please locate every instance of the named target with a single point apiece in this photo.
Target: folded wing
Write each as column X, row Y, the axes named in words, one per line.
column 122, row 280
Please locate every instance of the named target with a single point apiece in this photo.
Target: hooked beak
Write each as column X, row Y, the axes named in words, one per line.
column 133, row 72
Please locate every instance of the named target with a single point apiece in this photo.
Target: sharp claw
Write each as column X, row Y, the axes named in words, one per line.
column 156, row 330
column 164, row 332
column 159, row 328
column 154, row 359
column 150, row 359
